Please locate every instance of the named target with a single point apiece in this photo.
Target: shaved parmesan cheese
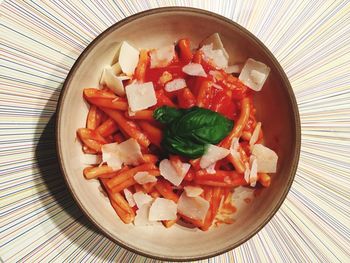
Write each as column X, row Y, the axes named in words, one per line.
column 211, row 169
column 116, row 68
column 193, row 207
column 237, row 68
column 128, row 58
column 255, row 135
column 234, row 148
column 162, row 209
column 217, row 43
column 127, row 152
column 110, row 155
column 131, row 113
column 266, row 159
column 141, row 218
column 192, row 191
column 214, row 153
column 175, row 84
column 110, row 80
column 194, row 69
column 253, row 176
column 161, row 57
column 91, row 159
column 144, row 178
column 169, row 172
column 215, row 56
column 130, row 152
column 247, row 173
column 122, row 77
column 141, row 199
column 254, row 74
column 140, row 96
column 129, row 197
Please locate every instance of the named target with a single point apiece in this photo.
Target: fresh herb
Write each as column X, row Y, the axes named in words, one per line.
column 189, row 131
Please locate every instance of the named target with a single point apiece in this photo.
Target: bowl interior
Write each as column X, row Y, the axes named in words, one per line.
column 276, row 109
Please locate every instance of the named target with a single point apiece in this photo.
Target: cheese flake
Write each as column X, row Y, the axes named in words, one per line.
column 129, row 198
column 255, row 134
column 111, row 81
column 141, row 218
column 266, row 158
column 193, row 191
column 170, row 173
column 213, row 154
column 193, row 207
column 140, row 96
column 253, row 176
column 217, row 57
column 127, row 152
column 144, row 178
column 194, row 69
column 215, row 40
column 162, row 57
column 162, row 209
column 128, row 58
column 175, row 84
column 254, row 74
column 141, row 199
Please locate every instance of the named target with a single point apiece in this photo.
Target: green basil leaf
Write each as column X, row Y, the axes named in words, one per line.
column 184, row 147
column 189, row 131
column 167, row 114
column 202, row 126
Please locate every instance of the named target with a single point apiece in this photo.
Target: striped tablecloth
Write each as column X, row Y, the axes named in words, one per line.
column 39, row 42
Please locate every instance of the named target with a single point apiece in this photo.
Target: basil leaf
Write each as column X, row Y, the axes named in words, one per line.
column 178, row 145
column 167, row 114
column 202, row 126
column 189, row 131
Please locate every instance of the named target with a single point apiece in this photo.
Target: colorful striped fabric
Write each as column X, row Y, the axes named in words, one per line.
column 39, row 42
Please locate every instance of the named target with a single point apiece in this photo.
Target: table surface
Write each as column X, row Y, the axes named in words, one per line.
column 39, row 42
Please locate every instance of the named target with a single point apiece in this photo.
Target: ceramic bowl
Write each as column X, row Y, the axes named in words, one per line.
column 276, row 108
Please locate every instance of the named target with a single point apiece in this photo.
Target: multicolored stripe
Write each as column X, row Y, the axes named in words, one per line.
column 39, row 42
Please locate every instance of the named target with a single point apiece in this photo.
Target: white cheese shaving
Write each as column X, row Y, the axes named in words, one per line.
column 141, row 218
column 217, row 43
column 213, row 154
column 109, row 79
column 237, row 68
column 234, row 148
column 215, row 56
column 162, row 57
column 128, row 58
column 141, row 96
column 247, row 173
column 110, row 155
column 193, row 207
column 144, row 178
column 211, row 169
column 254, row 74
column 193, row 191
column 194, row 69
column 175, row 84
column 127, row 152
column 129, row 197
column 131, row 113
column 253, row 176
column 116, row 68
column 169, row 172
column 141, row 199
column 266, row 158
column 255, row 135
column 162, row 209
column 91, row 159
